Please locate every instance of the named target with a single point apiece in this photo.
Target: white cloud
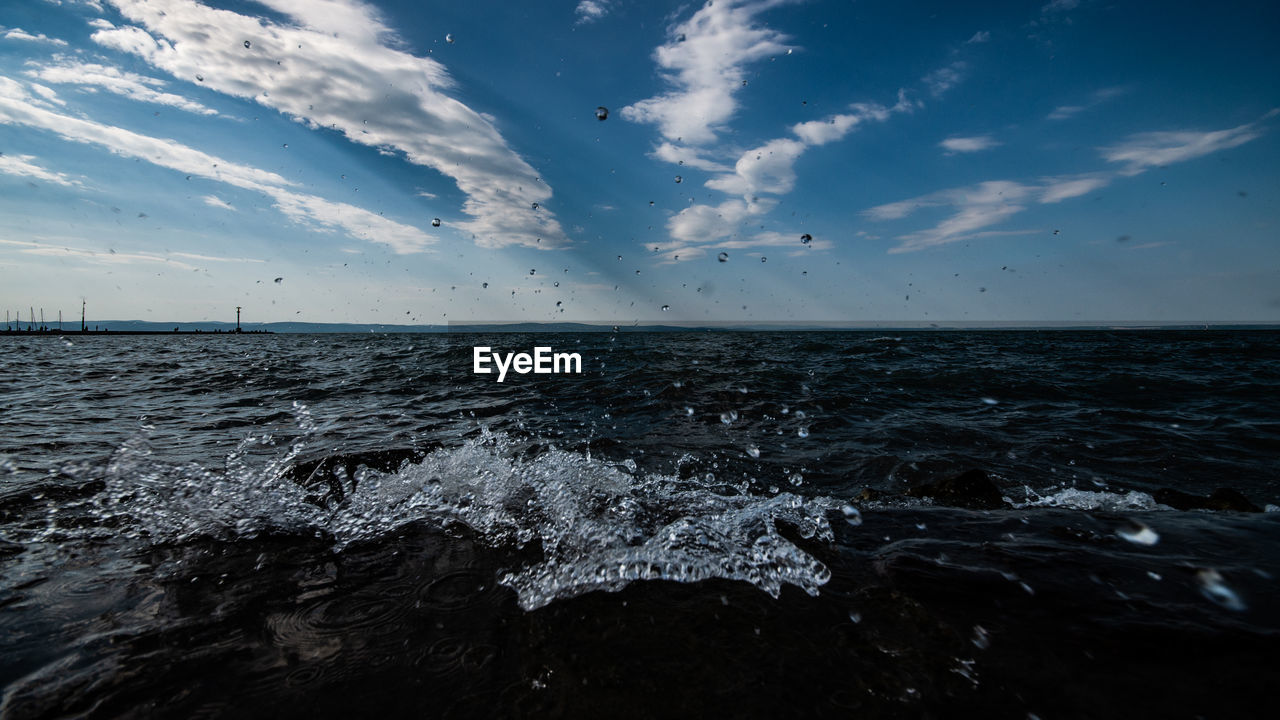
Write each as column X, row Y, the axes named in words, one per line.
column 1064, row 112
column 130, row 85
column 20, row 34
column 687, row 156
column 1146, row 150
column 94, row 256
column 588, row 11
column 17, row 108
column 336, row 68
column 704, row 62
column 215, row 201
column 1064, row 188
column 977, row 143
column 47, row 93
column 22, row 166
column 979, row 37
column 944, row 78
column 975, row 207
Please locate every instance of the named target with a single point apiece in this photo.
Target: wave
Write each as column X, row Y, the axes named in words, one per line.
column 599, row 524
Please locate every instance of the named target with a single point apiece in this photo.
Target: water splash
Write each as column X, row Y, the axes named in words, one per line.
column 599, row 525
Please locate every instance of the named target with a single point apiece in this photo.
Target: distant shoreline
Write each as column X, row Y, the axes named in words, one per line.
column 132, row 328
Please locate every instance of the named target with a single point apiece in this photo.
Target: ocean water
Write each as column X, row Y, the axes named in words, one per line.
column 729, row 523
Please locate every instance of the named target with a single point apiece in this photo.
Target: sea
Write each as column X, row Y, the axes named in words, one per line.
column 1000, row 524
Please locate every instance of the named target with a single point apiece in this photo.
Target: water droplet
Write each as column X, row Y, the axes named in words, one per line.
column 788, row 51
column 852, row 515
column 558, row 303
column 723, row 257
column 602, row 113
column 535, row 206
column 484, row 285
column 680, row 37
column 533, row 271
column 855, row 616
column 804, row 273
column 666, row 308
column 1138, row 534
column 448, row 38
column 797, row 480
column 753, row 451
column 679, row 179
column 990, row 401
column 279, row 280
column 806, row 238
column 728, row 417
column 803, row 432
column 286, row 146
column 637, row 272
column 980, row 639
column 199, row 78
column 764, row 259
column 1215, row 589
column 247, row 43
column 435, row 222
column 688, row 410
column 556, row 283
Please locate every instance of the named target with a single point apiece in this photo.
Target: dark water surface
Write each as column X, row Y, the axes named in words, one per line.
column 728, row 524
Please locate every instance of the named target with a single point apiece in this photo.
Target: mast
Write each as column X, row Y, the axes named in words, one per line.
column 82, row 325
column 237, row 318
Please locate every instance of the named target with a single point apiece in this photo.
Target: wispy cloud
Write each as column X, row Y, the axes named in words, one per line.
column 16, row 108
column 976, row 143
column 944, row 78
column 68, row 71
column 589, row 11
column 972, row 208
column 94, row 256
column 338, row 67
column 1064, row 112
column 20, row 34
column 704, row 62
column 979, row 37
column 22, row 166
column 215, row 201
column 1145, row 150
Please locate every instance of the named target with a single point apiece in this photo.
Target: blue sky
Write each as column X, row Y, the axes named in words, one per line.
column 1029, row 161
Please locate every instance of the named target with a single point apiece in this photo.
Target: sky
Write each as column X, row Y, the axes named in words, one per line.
column 757, row 161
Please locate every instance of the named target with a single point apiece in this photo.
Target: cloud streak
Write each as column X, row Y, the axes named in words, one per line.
column 17, row 108
column 335, row 67
column 22, row 166
column 973, row 208
column 131, row 85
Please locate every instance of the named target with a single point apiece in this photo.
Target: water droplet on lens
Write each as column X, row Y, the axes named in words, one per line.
column 448, row 38
column 247, row 43
column 666, row 308
column 602, row 113
column 764, row 259
column 679, row 179
column 803, row 432
column 435, row 222
column 533, row 271
column 484, row 285
column 279, row 280
column 852, row 515
column 728, row 417
column 199, row 78
column 723, row 257
column 980, row 639
column 753, row 451
column 806, row 238
column 535, row 206
column 1213, row 587
column 990, row 401
column 1138, row 534
column 855, row 617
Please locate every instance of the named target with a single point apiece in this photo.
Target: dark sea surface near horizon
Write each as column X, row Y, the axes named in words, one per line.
column 335, row 524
